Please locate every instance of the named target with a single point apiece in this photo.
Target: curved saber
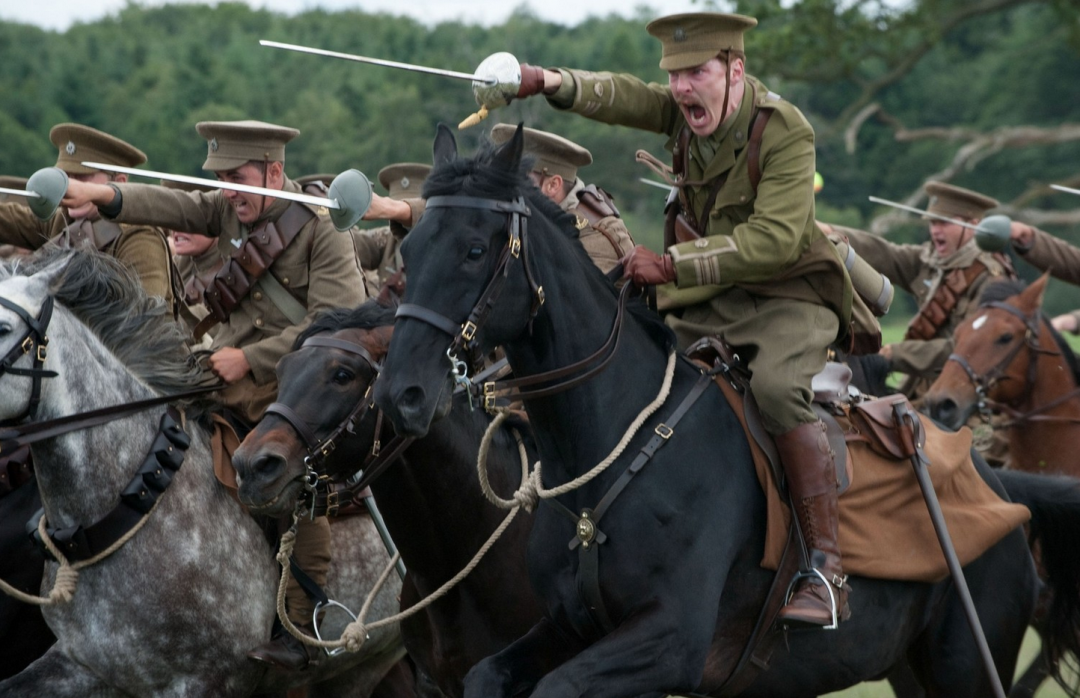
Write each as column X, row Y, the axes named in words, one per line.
column 35, row 195
column 912, row 209
column 276, row 193
column 486, row 79
column 1067, row 190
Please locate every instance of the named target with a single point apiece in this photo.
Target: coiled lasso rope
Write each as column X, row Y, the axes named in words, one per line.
column 526, row 497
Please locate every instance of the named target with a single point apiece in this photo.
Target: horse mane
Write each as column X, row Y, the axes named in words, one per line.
column 476, row 176
column 367, row 316
column 999, row 291
column 107, row 297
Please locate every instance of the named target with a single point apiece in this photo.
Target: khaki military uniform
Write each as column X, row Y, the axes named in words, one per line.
column 142, row 248
column 918, row 269
column 318, row 269
column 377, row 250
column 196, row 273
column 1052, row 254
column 764, row 276
column 606, row 240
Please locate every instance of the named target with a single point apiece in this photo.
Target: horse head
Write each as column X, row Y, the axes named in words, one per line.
column 995, row 354
column 323, row 390
column 471, row 281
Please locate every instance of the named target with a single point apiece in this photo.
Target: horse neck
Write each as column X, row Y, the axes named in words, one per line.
column 431, row 499
column 575, row 428
column 1039, row 445
column 81, row 473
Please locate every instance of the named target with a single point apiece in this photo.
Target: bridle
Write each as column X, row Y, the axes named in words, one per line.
column 34, row 342
column 327, row 496
column 984, row 383
column 464, row 333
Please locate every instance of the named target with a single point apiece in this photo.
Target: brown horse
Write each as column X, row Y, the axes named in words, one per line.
column 1008, row 358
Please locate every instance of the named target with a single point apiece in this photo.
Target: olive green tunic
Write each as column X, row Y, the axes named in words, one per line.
column 318, row 268
column 918, row 269
column 140, row 247
column 1052, row 254
column 764, row 275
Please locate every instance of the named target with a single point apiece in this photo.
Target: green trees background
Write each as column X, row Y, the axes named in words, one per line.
column 872, row 77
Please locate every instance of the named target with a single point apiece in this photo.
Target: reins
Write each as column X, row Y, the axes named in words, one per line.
column 34, row 342
column 984, row 383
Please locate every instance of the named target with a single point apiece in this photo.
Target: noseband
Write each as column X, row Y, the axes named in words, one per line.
column 35, row 343
column 327, row 496
column 464, row 333
column 984, row 383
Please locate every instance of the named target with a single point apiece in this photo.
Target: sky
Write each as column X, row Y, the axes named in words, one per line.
column 61, row 14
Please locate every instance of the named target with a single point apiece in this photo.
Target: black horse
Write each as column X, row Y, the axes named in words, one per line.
column 679, row 572
column 429, row 497
column 23, row 632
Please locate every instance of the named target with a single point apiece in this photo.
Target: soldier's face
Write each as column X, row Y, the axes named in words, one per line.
column 949, row 237
column 249, row 207
column 699, row 92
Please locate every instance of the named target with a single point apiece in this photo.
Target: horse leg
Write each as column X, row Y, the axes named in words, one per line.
column 55, row 675
column 519, row 666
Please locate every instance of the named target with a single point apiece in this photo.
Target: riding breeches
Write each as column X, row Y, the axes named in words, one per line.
column 312, row 555
column 784, row 342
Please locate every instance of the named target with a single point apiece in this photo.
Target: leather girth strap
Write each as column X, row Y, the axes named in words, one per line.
column 153, row 478
column 249, row 263
column 935, row 312
column 588, row 536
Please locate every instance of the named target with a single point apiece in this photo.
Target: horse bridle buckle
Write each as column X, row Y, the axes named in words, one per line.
column 42, row 350
column 489, row 396
column 27, row 344
column 468, row 330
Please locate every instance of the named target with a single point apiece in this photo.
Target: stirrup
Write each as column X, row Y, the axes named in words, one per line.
column 321, row 605
column 812, row 574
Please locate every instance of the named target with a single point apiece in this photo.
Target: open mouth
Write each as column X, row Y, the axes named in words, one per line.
column 289, row 490
column 695, row 114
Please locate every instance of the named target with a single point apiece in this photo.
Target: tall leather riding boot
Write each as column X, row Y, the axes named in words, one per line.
column 811, row 476
column 312, row 555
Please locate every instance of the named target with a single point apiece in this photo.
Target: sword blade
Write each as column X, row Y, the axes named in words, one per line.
column 921, row 212
column 485, row 79
column 276, row 193
column 28, row 194
column 654, row 183
column 1067, row 190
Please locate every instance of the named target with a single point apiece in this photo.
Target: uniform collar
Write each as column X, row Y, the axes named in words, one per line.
column 962, row 258
column 571, row 199
column 731, row 136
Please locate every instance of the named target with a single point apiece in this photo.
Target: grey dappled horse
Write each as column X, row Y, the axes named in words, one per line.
column 175, row 609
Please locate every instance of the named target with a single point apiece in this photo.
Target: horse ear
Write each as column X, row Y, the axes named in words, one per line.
column 1031, row 298
column 508, row 156
column 445, row 149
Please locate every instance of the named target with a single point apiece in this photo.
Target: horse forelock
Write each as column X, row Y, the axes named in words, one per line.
column 108, row 299
column 369, row 315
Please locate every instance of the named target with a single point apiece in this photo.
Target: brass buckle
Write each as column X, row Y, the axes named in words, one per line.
column 540, row 294
column 376, row 447
column 42, row 352
column 27, row 345
column 332, row 503
column 489, row 396
column 468, row 330
column 327, row 448
column 663, row 431
column 515, row 246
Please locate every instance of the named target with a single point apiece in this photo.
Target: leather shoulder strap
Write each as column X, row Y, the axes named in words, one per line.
column 594, row 203
column 753, row 148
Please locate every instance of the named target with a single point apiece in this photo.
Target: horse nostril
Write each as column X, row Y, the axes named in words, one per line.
column 943, row 410
column 269, row 464
column 411, row 398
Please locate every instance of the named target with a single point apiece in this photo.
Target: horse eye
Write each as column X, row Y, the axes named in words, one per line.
column 475, row 253
column 343, row 376
column 4, row 328
column 1005, row 338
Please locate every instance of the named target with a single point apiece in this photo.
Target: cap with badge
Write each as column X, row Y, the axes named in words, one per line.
column 957, row 202
column 688, row 40
column 232, row 144
column 404, row 180
column 554, row 155
column 78, row 144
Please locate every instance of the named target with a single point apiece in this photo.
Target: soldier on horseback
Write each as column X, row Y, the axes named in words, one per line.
column 744, row 258
column 285, row 263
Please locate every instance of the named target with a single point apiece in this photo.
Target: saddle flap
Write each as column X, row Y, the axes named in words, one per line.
column 875, row 423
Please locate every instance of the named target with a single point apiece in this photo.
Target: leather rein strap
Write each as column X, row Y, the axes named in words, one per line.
column 34, row 342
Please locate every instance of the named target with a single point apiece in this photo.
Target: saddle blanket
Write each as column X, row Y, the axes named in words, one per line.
column 885, row 527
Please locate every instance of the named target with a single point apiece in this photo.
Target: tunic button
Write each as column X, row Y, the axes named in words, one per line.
column 742, row 198
column 258, row 322
column 285, row 281
column 257, row 295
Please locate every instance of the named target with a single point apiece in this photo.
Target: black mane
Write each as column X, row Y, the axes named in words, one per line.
column 367, row 316
column 999, row 291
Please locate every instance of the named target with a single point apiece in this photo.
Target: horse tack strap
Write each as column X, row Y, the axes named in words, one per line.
column 587, row 524
column 142, row 492
column 34, row 342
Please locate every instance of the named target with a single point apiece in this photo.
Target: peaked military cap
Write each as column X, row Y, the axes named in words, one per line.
column 231, row 144
column 689, row 40
column 311, row 178
column 554, row 155
column 78, row 144
column 957, row 202
column 403, row 180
